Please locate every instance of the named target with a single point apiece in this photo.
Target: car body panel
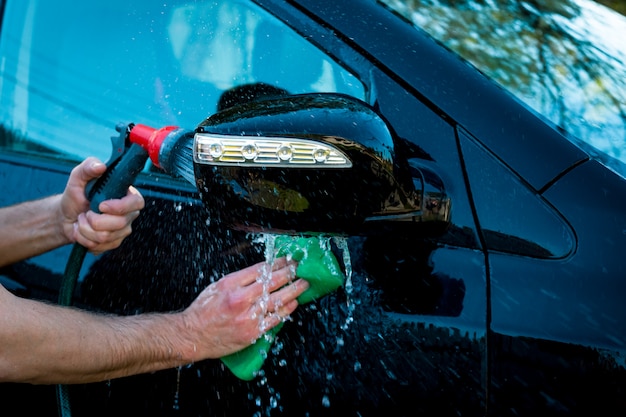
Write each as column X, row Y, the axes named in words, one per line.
column 510, row 311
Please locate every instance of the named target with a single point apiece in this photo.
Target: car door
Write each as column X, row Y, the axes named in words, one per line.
column 555, row 342
column 555, row 274
column 408, row 331
column 416, row 319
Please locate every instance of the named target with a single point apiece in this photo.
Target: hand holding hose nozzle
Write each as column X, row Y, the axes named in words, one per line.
column 126, row 162
column 130, row 152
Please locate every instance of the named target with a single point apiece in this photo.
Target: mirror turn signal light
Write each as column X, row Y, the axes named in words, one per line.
column 214, row 149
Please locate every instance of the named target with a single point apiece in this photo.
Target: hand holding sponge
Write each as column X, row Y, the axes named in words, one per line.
column 317, row 265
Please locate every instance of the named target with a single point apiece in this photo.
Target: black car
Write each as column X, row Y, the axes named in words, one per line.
column 482, row 234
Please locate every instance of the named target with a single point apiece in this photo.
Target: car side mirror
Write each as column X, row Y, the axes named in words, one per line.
column 313, row 164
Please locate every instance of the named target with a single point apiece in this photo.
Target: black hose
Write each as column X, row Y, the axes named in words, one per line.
column 70, row 277
column 72, row 271
column 114, row 183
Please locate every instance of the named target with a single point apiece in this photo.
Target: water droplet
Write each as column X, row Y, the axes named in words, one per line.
column 176, row 405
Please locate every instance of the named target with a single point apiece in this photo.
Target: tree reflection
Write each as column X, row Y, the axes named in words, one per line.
column 562, row 57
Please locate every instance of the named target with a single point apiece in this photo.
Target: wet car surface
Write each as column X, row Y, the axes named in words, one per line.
column 516, row 307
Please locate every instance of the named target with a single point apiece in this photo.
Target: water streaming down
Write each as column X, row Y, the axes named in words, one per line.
column 176, row 405
column 270, row 249
column 342, row 244
column 326, row 243
column 272, row 398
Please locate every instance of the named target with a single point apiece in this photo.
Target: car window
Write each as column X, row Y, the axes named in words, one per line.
column 73, row 70
column 565, row 59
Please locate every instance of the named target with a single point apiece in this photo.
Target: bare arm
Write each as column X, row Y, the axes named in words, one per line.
column 42, row 343
column 35, row 227
column 30, row 229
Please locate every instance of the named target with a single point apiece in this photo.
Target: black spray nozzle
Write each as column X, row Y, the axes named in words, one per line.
column 126, row 162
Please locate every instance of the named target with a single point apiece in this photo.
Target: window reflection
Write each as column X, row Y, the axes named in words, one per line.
column 219, row 46
column 565, row 59
column 68, row 79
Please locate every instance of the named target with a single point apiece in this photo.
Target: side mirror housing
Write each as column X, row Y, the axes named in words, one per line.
column 313, row 164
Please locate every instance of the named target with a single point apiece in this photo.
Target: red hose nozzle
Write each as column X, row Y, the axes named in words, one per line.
column 150, row 139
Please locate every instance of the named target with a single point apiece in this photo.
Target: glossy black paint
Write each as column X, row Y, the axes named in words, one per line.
column 378, row 193
column 515, row 309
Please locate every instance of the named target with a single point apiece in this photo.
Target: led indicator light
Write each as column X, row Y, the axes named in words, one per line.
column 214, row 149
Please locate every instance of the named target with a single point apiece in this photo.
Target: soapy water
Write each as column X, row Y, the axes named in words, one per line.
column 270, row 251
column 271, row 401
column 341, row 243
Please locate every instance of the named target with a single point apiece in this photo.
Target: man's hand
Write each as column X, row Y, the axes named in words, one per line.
column 96, row 232
column 231, row 313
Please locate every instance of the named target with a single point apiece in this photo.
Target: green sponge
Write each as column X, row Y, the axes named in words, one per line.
column 318, row 266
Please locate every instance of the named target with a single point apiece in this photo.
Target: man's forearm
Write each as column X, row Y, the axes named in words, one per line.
column 48, row 344
column 30, row 229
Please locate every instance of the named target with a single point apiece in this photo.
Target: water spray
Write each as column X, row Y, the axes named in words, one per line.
column 303, row 165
